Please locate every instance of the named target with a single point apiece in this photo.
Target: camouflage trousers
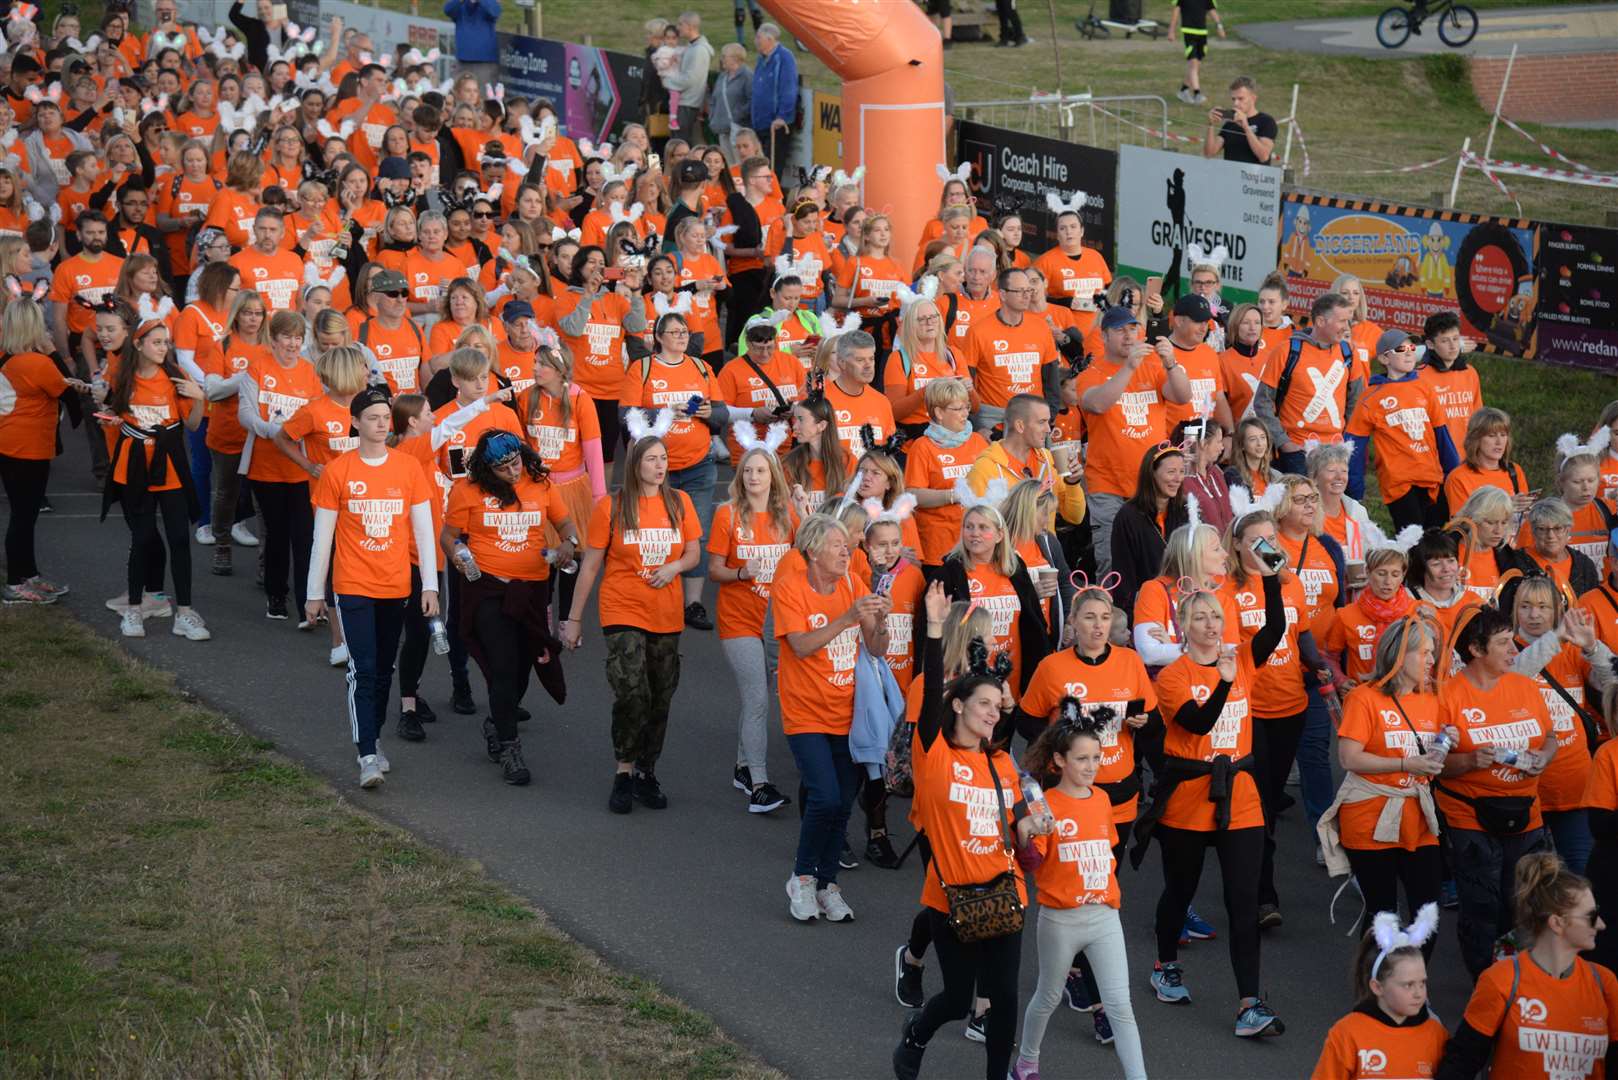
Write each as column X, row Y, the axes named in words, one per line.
column 642, row 669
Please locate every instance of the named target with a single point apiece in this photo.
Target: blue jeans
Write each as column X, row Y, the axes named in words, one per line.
column 201, row 469
column 1314, row 760
column 698, row 482
column 830, row 781
column 1570, row 832
column 371, row 627
column 1293, row 462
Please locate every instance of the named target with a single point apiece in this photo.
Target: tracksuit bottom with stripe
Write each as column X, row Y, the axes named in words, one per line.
column 371, row 627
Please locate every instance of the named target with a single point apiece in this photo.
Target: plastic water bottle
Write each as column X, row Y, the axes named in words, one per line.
column 1034, row 796
column 468, row 565
column 569, row 567
column 1441, row 743
column 1505, row 756
column 439, row 635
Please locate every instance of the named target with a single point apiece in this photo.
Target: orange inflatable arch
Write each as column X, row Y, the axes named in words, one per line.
column 891, row 61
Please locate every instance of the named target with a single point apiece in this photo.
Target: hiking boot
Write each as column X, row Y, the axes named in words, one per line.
column 222, row 566
column 512, row 767
column 648, row 792
column 491, row 738
column 622, row 799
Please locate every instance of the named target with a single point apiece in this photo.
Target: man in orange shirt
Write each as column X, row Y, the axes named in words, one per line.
column 1008, row 351
column 90, row 276
column 275, row 274
column 1123, row 397
column 977, row 298
column 397, row 341
column 1188, row 343
column 1444, row 367
column 854, row 401
column 367, row 111
column 1321, row 389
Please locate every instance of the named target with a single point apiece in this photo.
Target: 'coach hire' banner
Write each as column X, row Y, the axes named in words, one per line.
column 1012, row 171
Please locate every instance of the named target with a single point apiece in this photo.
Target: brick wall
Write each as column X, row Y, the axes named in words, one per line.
column 1551, row 89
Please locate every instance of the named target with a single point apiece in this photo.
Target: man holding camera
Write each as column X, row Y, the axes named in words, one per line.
column 1245, row 134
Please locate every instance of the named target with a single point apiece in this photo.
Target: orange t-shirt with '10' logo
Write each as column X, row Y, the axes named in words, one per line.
column 371, row 553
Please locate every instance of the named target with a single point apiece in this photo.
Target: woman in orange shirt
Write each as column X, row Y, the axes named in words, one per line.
column 1205, row 698
column 1483, row 525
column 463, row 305
column 750, row 534
column 1242, row 362
column 1486, row 462
column 13, row 214
column 233, row 208
column 818, row 467
column 921, row 353
column 184, row 203
column 1355, row 628
column 643, row 536
column 1385, row 744
column 1362, row 333
column 1193, row 558
column 868, row 283
column 983, row 566
column 1391, row 1031
column 1545, row 1003
column 224, row 365
column 149, row 474
column 593, row 319
column 1252, row 458
column 494, row 535
column 699, row 273
column 28, row 442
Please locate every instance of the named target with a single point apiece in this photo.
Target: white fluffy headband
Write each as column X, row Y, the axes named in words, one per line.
column 1389, row 937
column 746, row 433
column 635, row 421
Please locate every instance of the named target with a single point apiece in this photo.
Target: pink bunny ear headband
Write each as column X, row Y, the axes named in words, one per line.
column 1107, row 583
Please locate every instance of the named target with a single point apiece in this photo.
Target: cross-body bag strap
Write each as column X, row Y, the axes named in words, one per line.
column 1592, row 729
column 1000, row 800
column 780, row 401
column 1302, row 552
column 1421, row 747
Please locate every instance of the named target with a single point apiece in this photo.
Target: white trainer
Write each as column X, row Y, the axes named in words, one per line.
column 131, row 625
column 370, row 771
column 189, row 625
column 205, row 535
column 801, row 894
column 831, row 904
column 381, row 759
column 242, row 535
column 339, row 655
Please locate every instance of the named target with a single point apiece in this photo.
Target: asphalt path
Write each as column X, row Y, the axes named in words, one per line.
column 693, row 897
column 1560, row 28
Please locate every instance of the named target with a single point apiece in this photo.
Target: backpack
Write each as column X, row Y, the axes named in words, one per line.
column 1295, row 350
column 421, row 342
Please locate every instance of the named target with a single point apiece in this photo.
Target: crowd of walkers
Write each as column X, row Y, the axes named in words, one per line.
column 1057, row 567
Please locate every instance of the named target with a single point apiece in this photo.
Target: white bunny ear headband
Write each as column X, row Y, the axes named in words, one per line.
column 1406, row 539
column 1073, row 205
column 1389, row 937
column 993, row 495
column 962, row 173
column 926, row 289
column 830, row 327
column 639, row 428
column 746, row 433
column 680, row 305
column 772, row 320
column 839, row 178
column 612, row 175
column 876, row 514
column 1568, row 444
column 1242, row 502
column 800, row 268
column 1196, row 257
column 632, row 215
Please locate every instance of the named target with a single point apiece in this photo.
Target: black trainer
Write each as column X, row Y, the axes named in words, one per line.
column 424, row 711
column 879, row 851
column 907, row 981
column 461, row 702
column 276, row 608
column 907, row 1055
column 221, row 562
column 523, row 715
column 491, row 739
column 410, row 729
column 696, row 617
column 742, row 779
column 848, row 860
column 622, row 799
column 648, row 792
column 765, row 798
column 512, row 766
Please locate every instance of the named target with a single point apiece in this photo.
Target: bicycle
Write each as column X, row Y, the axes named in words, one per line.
column 1457, row 23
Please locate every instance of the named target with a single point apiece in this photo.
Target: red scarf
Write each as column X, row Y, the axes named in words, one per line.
column 1384, row 613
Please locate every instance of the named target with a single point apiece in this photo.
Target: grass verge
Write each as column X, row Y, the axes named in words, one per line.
column 178, row 900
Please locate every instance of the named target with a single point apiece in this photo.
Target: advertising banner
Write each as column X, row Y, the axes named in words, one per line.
column 1170, row 201
column 1012, row 172
column 594, row 90
column 826, row 129
column 1578, row 284
column 1413, row 262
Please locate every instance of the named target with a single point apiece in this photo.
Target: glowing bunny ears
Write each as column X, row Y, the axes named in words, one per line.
column 839, row 178
column 639, row 428
column 1073, row 205
column 1196, row 257
column 963, row 173
column 536, row 132
column 1242, row 502
column 993, row 494
column 830, row 327
column 746, row 433
column 1568, row 445
column 1385, row 927
column 876, row 513
column 926, row 289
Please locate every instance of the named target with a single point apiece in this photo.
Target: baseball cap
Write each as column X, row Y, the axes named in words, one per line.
column 1117, row 316
column 1392, row 339
column 1192, row 306
column 394, row 168
column 388, row 281
column 371, row 395
column 517, row 309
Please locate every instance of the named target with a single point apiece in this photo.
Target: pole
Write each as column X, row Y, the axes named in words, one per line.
column 1460, row 163
column 1494, row 121
column 1056, row 52
column 1286, row 152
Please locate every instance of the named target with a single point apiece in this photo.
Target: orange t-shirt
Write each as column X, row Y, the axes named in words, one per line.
column 704, row 318
column 233, row 211
column 517, row 365
column 324, row 429
column 398, row 351
column 956, row 806
column 769, row 212
column 627, row 597
column 225, row 432
column 1481, row 573
column 816, row 691
column 196, row 126
column 853, row 411
column 282, row 391
column 810, row 258
column 31, row 383
column 1399, row 417
column 1231, row 736
column 86, row 279
column 427, row 276
column 72, row 202
column 1352, row 633
column 278, row 278
column 1278, row 689
column 1112, row 683
column 927, row 465
column 177, row 197
column 598, row 364
column 994, row 592
column 559, row 443
column 1242, row 374
column 1601, row 789
column 153, row 403
column 1363, row 1047
column 452, row 454
column 743, row 390
column 1079, row 867
column 1589, row 535
column 1120, row 437
column 1512, row 716
column 873, row 275
column 905, row 591
column 1158, row 602
column 1465, row 479
column 1459, row 396
column 1561, row 785
column 1373, row 719
column 1566, row 1035
column 1318, row 576
column 200, row 329
column 1008, row 360
column 675, row 385
column 1318, row 394
column 970, row 313
column 373, row 539
column 1207, row 377
column 742, row 605
column 441, row 338
column 1069, row 276
column 507, row 541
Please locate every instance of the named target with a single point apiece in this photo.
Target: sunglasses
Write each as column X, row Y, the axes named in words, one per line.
column 397, row 294
column 483, row 214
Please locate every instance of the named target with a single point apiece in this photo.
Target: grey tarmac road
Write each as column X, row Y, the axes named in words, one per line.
column 694, row 896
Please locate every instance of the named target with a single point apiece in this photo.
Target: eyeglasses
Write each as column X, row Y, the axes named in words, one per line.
column 1306, row 500
column 677, row 331
column 1551, row 530
column 1017, row 292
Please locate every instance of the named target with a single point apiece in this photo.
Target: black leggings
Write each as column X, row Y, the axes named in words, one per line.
column 1275, row 747
column 146, row 546
column 289, row 532
column 1240, row 852
column 979, row 969
column 1380, row 873
column 1010, row 21
column 24, row 480
column 1415, row 507
column 611, row 429
column 749, row 291
column 507, row 659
